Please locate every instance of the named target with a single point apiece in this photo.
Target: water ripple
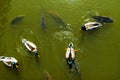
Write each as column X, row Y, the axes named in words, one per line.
column 64, row 35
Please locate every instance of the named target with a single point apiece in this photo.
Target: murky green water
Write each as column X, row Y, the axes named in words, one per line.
column 99, row 55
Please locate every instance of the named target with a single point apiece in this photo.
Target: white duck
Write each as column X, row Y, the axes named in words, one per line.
column 9, row 61
column 91, row 25
column 30, row 46
column 70, row 54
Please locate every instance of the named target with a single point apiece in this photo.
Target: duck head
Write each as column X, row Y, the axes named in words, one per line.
column 14, row 65
column 36, row 53
column 83, row 28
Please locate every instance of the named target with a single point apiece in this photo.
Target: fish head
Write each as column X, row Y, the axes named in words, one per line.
column 110, row 20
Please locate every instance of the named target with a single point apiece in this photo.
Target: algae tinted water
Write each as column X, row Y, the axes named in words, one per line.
column 98, row 58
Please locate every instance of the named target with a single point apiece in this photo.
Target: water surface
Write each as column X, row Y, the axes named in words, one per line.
column 99, row 55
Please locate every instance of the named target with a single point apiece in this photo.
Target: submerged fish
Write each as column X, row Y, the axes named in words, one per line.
column 58, row 19
column 43, row 22
column 17, row 19
column 103, row 19
column 47, row 76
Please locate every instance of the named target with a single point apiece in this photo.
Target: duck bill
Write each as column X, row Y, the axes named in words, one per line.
column 38, row 55
column 17, row 66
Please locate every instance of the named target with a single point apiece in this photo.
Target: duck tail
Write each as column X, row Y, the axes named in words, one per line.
column 24, row 40
column 1, row 58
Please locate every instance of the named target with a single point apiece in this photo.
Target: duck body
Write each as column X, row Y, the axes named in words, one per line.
column 9, row 61
column 91, row 25
column 70, row 55
column 30, row 46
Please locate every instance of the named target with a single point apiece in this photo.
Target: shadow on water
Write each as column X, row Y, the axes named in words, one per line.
column 37, row 59
column 77, row 70
column 89, row 33
column 74, row 73
column 13, row 72
column 32, row 56
column 4, row 9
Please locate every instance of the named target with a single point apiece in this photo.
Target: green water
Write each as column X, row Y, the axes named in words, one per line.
column 99, row 55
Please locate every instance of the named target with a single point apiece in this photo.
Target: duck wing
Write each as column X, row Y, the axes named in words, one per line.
column 30, row 46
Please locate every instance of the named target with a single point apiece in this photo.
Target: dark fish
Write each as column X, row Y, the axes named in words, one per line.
column 17, row 19
column 43, row 22
column 103, row 19
column 58, row 19
column 47, row 76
